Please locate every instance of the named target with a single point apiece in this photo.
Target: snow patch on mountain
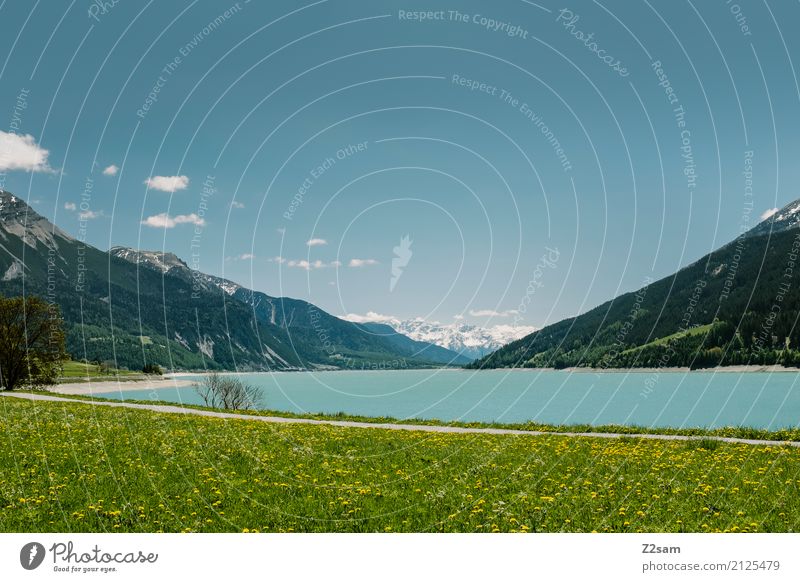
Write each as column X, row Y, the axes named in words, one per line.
column 166, row 262
column 472, row 341
column 157, row 260
column 787, row 218
column 19, row 219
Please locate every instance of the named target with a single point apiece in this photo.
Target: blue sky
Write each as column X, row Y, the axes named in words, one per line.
column 490, row 133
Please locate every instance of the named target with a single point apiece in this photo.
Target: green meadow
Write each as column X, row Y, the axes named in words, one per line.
column 72, row 467
column 73, row 371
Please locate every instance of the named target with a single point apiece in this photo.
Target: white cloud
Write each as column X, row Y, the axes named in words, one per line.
column 168, row 183
column 164, row 220
column 316, row 242
column 356, row 263
column 767, row 213
column 243, row 257
column 90, row 214
column 458, row 317
column 307, row 265
column 111, row 170
column 236, row 204
column 303, row 263
column 492, row 313
column 21, row 152
column 371, row 317
column 83, row 214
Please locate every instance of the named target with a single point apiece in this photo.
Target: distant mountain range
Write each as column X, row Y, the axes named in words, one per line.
column 471, row 341
column 737, row 305
column 136, row 307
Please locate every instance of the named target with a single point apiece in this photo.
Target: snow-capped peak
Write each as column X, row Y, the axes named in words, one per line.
column 157, row 260
column 19, row 219
column 165, row 262
column 470, row 340
column 787, row 218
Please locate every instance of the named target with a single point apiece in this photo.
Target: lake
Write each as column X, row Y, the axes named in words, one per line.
column 650, row 399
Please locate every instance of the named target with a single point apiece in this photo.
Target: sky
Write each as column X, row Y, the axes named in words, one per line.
column 503, row 162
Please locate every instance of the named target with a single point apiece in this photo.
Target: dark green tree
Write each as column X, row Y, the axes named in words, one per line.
column 31, row 342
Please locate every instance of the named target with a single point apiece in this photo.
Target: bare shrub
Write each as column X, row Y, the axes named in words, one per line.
column 227, row 392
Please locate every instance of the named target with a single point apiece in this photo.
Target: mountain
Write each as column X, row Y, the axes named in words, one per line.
column 116, row 311
column 471, row 341
column 737, row 305
column 424, row 349
column 138, row 307
column 166, row 262
column 787, row 218
column 316, row 335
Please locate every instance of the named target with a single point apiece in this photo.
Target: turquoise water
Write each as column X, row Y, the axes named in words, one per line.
column 667, row 399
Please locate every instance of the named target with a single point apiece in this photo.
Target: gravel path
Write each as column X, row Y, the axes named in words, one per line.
column 387, row 425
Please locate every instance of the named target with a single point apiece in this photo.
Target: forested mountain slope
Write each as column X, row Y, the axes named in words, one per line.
column 737, row 305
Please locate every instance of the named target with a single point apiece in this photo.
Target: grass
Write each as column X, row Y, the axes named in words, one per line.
column 74, row 468
column 785, row 435
column 662, row 341
column 73, row 371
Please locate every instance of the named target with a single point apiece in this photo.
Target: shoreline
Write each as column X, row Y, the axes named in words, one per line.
column 738, row 369
column 89, row 388
column 178, row 379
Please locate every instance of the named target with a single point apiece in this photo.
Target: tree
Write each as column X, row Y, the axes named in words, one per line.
column 152, row 369
column 31, row 342
column 227, row 392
